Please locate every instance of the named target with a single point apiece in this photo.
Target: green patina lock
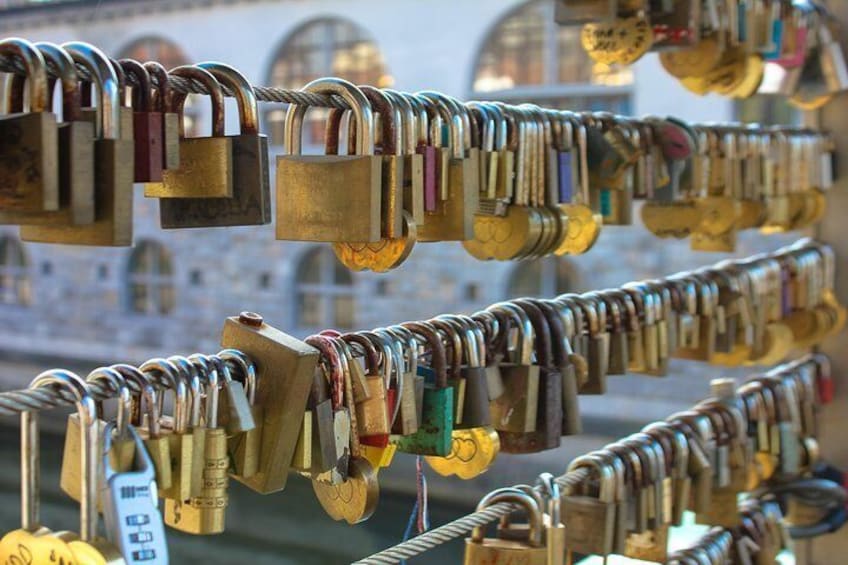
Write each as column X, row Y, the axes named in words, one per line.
column 434, row 431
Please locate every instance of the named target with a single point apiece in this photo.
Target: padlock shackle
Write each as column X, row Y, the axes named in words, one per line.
column 438, row 358
column 355, row 98
column 105, row 76
column 541, row 331
column 116, row 383
column 172, row 376
column 30, row 468
column 409, row 126
column 36, row 70
column 141, row 94
column 161, row 88
column 210, row 366
column 177, row 100
column 524, row 327
column 187, row 374
column 243, row 92
column 68, row 78
column 454, row 342
column 391, row 121
column 248, row 371
column 513, row 496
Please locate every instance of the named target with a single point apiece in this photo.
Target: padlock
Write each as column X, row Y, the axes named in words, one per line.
column 554, row 527
column 147, row 125
column 459, row 179
column 548, row 428
column 76, row 149
column 205, row 514
column 480, row 550
column 34, row 542
column 428, row 154
column 413, row 168
column 170, row 120
column 333, row 417
column 589, row 520
column 113, row 165
column 244, row 447
column 164, row 434
column 185, row 475
column 566, row 362
column 454, row 345
column 206, row 163
column 370, row 396
column 391, row 201
column 250, row 204
column 436, row 424
column 475, row 397
column 309, row 206
column 284, row 368
column 130, row 502
column 29, row 140
column 516, row 409
column 123, row 448
column 411, row 394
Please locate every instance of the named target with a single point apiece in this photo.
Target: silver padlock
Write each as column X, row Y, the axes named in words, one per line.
column 130, row 505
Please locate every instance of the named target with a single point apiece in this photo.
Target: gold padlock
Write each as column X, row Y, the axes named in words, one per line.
column 29, row 141
column 205, row 514
column 113, row 160
column 206, row 163
column 122, row 451
column 284, row 369
column 311, row 205
column 480, row 550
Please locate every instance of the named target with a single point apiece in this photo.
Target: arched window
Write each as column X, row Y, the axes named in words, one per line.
column 324, row 291
column 15, row 285
column 150, row 275
column 165, row 51
column 528, row 57
column 544, row 278
column 321, row 48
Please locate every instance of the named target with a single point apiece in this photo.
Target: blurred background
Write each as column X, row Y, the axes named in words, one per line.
column 79, row 308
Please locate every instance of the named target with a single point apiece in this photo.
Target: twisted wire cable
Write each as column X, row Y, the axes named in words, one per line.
column 460, row 526
column 12, row 64
column 27, row 400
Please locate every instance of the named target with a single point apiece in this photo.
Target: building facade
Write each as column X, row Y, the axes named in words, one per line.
column 171, row 291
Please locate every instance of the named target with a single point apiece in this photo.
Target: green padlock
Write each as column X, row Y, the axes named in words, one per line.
column 434, row 432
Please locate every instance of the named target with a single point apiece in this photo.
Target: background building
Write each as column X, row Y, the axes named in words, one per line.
column 171, row 292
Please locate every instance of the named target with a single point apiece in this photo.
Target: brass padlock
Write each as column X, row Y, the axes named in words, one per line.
column 331, row 198
column 250, row 204
column 205, row 514
column 589, row 520
column 480, row 550
column 370, row 399
column 122, row 451
column 454, row 221
column 244, row 447
column 76, row 149
column 206, row 163
column 413, row 168
column 516, row 409
column 113, row 165
column 284, row 368
column 29, row 140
